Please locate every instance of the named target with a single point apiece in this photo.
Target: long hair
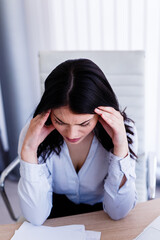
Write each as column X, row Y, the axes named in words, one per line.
column 82, row 86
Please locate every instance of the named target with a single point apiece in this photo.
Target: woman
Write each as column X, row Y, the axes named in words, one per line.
column 78, row 145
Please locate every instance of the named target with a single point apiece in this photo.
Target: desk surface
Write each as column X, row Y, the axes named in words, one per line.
column 126, row 229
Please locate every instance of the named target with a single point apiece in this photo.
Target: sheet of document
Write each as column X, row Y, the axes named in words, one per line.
column 29, row 231
column 149, row 233
column 152, row 231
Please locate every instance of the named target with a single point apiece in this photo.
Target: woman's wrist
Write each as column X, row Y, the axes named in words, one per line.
column 29, row 155
column 120, row 151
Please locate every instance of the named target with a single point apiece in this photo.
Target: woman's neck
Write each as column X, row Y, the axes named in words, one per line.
column 79, row 152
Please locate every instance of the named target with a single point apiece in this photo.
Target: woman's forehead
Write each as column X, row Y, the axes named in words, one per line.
column 65, row 115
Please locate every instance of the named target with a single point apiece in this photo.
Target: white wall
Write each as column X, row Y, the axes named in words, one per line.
column 3, row 125
column 19, row 92
column 29, row 26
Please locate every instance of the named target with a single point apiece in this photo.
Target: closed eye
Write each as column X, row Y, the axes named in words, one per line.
column 59, row 123
column 84, row 124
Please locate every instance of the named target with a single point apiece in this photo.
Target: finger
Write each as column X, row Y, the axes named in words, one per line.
column 110, row 126
column 108, row 120
column 103, row 122
column 114, row 125
column 106, row 115
column 110, row 110
column 41, row 115
column 40, row 119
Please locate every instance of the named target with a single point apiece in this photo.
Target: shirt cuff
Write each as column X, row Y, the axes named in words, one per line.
column 118, row 167
column 33, row 172
column 124, row 165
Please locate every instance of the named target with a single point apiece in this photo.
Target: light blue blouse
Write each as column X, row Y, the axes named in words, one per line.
column 98, row 180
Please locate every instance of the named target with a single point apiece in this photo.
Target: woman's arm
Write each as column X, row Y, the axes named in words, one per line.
column 119, row 187
column 35, row 135
column 35, row 192
column 35, row 184
column 119, row 200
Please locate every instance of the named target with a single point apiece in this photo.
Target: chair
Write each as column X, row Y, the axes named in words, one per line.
column 3, row 177
column 125, row 72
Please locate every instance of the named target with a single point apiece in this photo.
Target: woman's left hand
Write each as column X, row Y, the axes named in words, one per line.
column 112, row 121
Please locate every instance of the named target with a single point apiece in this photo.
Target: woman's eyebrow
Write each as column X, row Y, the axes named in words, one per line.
column 68, row 124
column 59, row 119
column 84, row 121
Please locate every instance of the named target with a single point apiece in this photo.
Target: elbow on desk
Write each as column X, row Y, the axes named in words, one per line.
column 35, row 216
column 120, row 206
column 37, row 221
column 118, row 212
column 115, row 216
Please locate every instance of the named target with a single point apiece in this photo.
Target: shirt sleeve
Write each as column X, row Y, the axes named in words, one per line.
column 34, row 189
column 119, row 201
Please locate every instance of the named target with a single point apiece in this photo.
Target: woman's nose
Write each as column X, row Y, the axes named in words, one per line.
column 72, row 132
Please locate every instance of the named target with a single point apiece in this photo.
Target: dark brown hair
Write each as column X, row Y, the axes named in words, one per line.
column 81, row 85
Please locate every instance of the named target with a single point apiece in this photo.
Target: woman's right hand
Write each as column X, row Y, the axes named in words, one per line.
column 35, row 135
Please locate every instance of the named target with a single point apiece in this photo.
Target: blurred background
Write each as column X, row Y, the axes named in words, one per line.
column 27, row 27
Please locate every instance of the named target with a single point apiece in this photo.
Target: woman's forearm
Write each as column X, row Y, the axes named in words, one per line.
column 35, row 192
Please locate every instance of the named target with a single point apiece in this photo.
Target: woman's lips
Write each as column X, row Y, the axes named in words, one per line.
column 73, row 140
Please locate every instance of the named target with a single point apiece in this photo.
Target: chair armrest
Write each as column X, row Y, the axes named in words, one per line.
column 3, row 176
column 7, row 170
column 151, row 176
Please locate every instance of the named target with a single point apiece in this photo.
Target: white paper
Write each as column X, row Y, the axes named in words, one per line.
column 152, row 231
column 92, row 235
column 27, row 231
column 148, row 234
